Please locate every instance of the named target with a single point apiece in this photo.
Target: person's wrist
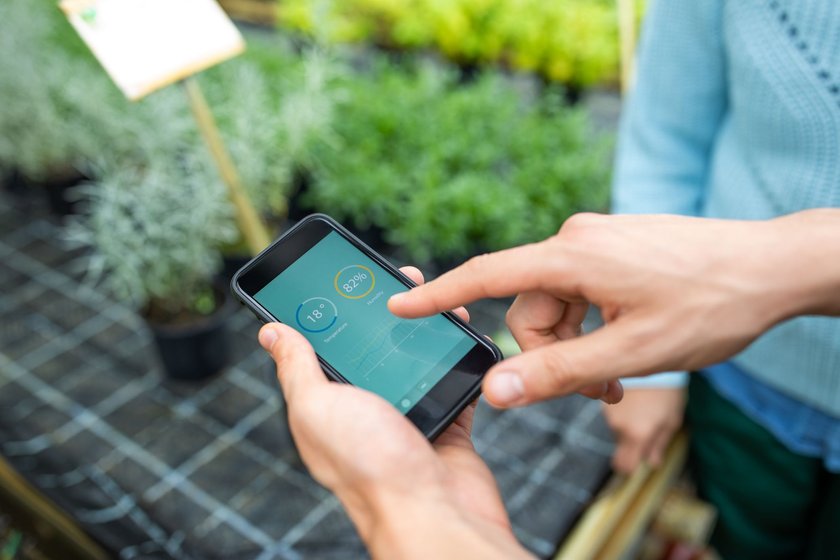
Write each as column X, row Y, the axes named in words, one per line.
column 395, row 518
column 398, row 524
column 806, row 270
column 424, row 522
column 379, row 509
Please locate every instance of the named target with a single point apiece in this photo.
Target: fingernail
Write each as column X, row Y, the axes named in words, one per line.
column 397, row 298
column 506, row 387
column 619, row 392
column 267, row 337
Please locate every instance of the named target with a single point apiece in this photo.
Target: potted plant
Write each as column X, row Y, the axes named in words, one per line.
column 46, row 137
column 153, row 235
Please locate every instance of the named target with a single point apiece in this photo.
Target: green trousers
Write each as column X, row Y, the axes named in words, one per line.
column 771, row 502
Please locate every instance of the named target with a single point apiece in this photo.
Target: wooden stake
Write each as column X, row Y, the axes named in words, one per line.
column 250, row 224
column 627, row 36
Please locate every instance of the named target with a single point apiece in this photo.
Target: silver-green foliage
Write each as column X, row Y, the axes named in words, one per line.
column 157, row 213
column 270, row 126
column 37, row 121
column 307, row 112
column 154, row 232
column 247, row 112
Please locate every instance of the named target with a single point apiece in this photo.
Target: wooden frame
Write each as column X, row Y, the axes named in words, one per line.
column 58, row 535
column 624, row 509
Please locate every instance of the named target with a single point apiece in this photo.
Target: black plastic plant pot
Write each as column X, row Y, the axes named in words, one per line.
column 57, row 188
column 60, row 204
column 197, row 351
column 14, row 182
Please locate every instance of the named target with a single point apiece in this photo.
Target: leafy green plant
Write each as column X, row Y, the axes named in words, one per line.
column 571, row 41
column 448, row 169
column 39, row 132
column 444, row 169
column 154, row 234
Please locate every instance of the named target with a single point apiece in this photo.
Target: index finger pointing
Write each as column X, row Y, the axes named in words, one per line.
column 493, row 275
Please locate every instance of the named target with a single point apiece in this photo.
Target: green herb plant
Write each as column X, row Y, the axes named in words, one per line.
column 448, row 169
column 153, row 235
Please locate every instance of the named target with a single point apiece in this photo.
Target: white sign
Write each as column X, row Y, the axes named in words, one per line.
column 145, row 45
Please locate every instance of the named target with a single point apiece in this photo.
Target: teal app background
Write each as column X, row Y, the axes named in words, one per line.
column 337, row 297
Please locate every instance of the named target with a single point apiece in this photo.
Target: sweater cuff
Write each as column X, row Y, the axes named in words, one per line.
column 668, row 380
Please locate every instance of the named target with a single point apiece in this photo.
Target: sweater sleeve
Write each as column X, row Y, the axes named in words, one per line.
column 671, row 119
column 668, row 380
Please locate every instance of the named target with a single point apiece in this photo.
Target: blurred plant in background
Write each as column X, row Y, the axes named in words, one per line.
column 247, row 109
column 154, row 233
column 437, row 165
column 43, row 133
column 448, row 169
column 307, row 113
column 570, row 41
column 154, row 211
column 60, row 111
column 273, row 106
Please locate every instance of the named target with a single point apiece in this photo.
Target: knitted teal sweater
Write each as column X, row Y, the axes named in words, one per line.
column 736, row 114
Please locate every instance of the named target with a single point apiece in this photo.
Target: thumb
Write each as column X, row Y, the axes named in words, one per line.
column 565, row 366
column 297, row 365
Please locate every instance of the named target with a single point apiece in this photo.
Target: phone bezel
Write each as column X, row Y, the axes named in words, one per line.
column 441, row 405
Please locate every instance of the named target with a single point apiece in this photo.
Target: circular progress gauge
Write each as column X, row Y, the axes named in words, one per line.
column 354, row 281
column 316, row 315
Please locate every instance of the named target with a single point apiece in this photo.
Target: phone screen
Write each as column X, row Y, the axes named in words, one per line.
column 337, row 297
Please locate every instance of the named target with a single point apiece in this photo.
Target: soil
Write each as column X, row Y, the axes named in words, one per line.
column 160, row 316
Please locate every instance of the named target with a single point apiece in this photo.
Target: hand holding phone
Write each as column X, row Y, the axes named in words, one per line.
column 325, row 283
column 406, row 497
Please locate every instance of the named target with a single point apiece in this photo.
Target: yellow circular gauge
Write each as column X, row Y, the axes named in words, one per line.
column 354, row 281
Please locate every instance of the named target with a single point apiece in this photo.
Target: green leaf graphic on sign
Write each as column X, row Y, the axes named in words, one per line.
column 89, row 15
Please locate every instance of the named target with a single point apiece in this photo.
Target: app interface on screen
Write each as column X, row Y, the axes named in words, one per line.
column 338, row 298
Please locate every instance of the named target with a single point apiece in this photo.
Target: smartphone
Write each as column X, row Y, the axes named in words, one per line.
column 326, row 283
